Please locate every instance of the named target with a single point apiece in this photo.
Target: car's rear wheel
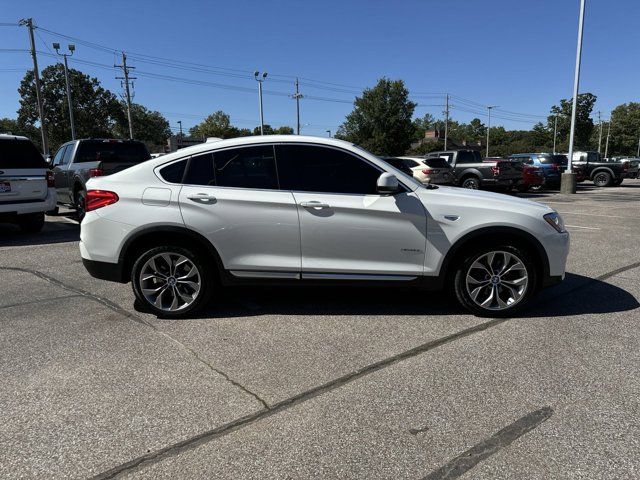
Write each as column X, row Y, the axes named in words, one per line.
column 80, row 202
column 523, row 188
column 495, row 281
column 31, row 223
column 602, row 179
column 471, row 182
column 171, row 281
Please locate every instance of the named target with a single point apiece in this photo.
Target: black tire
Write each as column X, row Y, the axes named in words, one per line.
column 523, row 188
column 206, row 278
column 53, row 212
column 602, row 179
column 464, row 267
column 80, row 203
column 31, row 223
column 470, row 182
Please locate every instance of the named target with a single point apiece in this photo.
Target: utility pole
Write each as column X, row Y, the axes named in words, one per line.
column 180, row 123
column 600, row 135
column 446, row 120
column 297, row 96
column 555, row 133
column 606, row 148
column 127, row 78
column 489, row 107
column 260, row 78
column 36, row 74
column 568, row 180
column 329, row 132
column 72, row 48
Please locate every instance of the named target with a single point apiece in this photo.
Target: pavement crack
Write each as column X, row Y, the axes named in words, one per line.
column 41, row 300
column 118, row 309
column 483, row 450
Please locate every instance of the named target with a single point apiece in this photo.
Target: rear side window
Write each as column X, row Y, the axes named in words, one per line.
column 436, row 163
column 310, row 168
column 249, row 167
column 173, row 173
column 99, row 150
column 20, row 154
column 466, row 157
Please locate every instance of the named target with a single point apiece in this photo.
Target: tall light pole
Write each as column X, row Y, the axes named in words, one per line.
column 606, row 145
column 600, row 134
column 72, row 48
column 555, row 133
column 638, row 154
column 446, row 120
column 180, row 123
column 568, row 182
column 260, row 78
column 489, row 107
column 329, row 132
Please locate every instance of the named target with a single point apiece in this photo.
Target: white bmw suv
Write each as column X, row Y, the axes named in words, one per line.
column 295, row 209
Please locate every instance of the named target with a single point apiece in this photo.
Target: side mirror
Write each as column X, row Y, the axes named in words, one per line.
column 49, row 161
column 387, row 184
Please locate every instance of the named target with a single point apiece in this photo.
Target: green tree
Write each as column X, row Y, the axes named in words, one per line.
column 10, row 125
column 95, row 109
column 584, row 123
column 422, row 124
column 283, row 130
column 625, row 129
column 218, row 124
column 148, row 126
column 381, row 119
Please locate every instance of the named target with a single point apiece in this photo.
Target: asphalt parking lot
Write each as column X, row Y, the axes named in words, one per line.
column 287, row 383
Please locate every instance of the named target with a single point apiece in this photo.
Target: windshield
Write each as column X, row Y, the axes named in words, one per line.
column 16, row 153
column 98, row 150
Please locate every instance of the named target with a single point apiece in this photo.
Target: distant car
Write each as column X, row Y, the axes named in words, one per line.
column 26, row 184
column 552, row 166
column 600, row 172
column 398, row 163
column 430, row 170
column 79, row 160
column 470, row 171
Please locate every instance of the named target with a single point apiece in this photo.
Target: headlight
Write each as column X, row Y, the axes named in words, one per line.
column 555, row 220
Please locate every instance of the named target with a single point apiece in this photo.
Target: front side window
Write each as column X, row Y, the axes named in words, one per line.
column 57, row 160
column 67, row 155
column 309, row 168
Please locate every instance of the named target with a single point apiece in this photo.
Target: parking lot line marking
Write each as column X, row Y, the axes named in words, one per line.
column 483, row 450
column 586, row 228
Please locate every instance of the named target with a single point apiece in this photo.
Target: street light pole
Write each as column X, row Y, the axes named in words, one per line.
column 600, row 134
column 446, row 121
column 260, row 78
column 555, row 133
column 606, row 145
column 489, row 107
column 329, row 132
column 568, row 182
column 180, row 123
column 72, row 48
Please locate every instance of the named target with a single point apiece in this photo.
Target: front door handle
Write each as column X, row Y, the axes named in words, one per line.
column 202, row 198
column 314, row 204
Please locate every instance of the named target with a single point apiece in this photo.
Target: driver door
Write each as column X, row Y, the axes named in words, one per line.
column 347, row 229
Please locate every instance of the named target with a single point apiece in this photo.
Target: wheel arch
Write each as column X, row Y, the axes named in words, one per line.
column 597, row 170
column 488, row 234
column 163, row 235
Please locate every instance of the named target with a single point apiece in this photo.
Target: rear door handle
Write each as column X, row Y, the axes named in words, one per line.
column 202, row 198
column 314, row 204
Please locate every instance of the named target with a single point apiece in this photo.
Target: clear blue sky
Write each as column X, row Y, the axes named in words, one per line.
column 513, row 53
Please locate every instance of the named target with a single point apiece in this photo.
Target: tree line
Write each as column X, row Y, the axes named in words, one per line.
column 382, row 121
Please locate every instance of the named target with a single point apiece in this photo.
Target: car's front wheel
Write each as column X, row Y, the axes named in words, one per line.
column 171, row 281
column 495, row 281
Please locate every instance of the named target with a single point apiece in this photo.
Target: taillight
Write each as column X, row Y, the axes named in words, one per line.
column 625, row 166
column 99, row 198
column 554, row 167
column 427, row 171
column 495, row 170
column 96, row 172
column 51, row 179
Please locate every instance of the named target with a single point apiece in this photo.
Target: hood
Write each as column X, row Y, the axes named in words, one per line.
column 461, row 196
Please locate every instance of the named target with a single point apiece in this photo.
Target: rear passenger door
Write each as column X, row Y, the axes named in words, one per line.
column 231, row 197
column 347, row 229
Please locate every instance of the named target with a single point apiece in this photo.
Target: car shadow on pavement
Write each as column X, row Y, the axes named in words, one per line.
column 577, row 295
column 53, row 232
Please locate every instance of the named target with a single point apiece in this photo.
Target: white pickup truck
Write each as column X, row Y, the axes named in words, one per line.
column 26, row 184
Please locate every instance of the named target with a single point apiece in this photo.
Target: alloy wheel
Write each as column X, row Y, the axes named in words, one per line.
column 497, row 280
column 170, row 281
